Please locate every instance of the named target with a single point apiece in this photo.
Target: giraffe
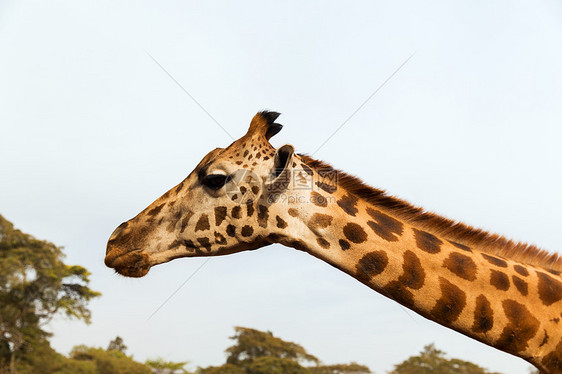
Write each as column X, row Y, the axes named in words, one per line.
column 249, row 195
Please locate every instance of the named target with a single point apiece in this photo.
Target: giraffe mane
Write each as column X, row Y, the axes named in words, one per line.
column 438, row 225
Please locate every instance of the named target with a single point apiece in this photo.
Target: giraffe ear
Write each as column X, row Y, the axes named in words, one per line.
column 282, row 169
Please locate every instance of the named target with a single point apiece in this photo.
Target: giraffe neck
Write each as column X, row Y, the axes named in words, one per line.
column 511, row 306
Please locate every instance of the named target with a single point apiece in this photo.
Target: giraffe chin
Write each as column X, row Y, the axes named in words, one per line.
column 133, row 272
column 134, row 265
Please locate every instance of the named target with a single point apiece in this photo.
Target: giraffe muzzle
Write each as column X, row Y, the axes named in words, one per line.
column 134, row 263
column 121, row 256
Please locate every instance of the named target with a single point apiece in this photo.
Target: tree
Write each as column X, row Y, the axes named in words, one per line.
column 108, row 362
column 252, row 344
column 117, row 344
column 433, row 361
column 41, row 358
column 159, row 366
column 258, row 352
column 35, row 284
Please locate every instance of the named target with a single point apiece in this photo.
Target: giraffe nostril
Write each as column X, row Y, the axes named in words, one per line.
column 118, row 230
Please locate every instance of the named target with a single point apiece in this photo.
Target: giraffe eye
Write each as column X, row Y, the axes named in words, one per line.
column 215, row 181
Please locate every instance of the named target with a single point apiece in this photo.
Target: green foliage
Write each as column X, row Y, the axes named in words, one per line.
column 108, row 362
column 224, row 369
column 252, row 344
column 40, row 358
column 352, row 368
column 433, row 361
column 159, row 366
column 275, row 365
column 117, row 345
column 35, row 284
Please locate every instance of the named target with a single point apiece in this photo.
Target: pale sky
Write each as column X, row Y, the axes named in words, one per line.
column 92, row 131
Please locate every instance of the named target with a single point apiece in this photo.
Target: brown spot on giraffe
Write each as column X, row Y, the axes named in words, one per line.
column 236, row 212
column 427, row 242
column 398, row 292
column 179, row 187
column 154, row 211
column 174, row 244
column 249, row 210
column 499, row 279
column 307, row 169
column 247, row 230
column 451, row 303
column 263, row 215
column 320, row 221
column 521, row 270
column 495, row 261
column 281, row 222
column 550, row 289
column 203, row 223
column 385, row 226
column 348, row 204
column 413, row 275
column 293, row 212
column 371, row 264
column 461, row 265
column 483, row 315
column 326, row 187
column 460, row 246
column 231, row 230
column 344, row 244
column 188, row 244
column 205, row 242
column 318, row 200
column 323, row 243
column 354, row 233
column 220, row 215
column 522, row 327
column 553, row 360
column 520, row 284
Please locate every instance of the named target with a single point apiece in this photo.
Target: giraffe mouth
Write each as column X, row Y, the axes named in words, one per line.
column 133, row 264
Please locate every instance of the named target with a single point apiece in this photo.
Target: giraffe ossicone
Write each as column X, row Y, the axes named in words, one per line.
column 249, row 195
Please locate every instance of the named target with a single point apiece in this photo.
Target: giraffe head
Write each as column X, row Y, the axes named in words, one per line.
column 225, row 205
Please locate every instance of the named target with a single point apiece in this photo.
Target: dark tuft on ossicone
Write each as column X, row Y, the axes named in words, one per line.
column 272, row 127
